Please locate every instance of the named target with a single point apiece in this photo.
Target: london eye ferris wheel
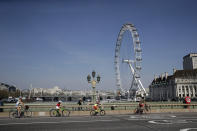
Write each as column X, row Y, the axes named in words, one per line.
column 128, row 59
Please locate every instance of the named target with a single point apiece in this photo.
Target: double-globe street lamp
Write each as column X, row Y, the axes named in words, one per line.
column 93, row 82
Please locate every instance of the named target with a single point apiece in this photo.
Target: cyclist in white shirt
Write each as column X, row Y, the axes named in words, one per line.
column 19, row 105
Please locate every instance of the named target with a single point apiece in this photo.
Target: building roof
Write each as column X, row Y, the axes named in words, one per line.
column 178, row 74
column 185, row 73
column 190, row 55
column 164, row 79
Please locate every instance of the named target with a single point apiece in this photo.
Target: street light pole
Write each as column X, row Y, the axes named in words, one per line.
column 93, row 83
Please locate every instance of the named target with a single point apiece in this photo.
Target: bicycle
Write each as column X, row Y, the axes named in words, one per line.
column 100, row 111
column 139, row 110
column 24, row 113
column 147, row 109
column 55, row 112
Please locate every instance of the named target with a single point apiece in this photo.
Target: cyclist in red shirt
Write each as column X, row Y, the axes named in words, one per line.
column 141, row 105
column 58, row 107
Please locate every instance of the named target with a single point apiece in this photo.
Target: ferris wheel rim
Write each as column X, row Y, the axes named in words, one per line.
column 137, row 52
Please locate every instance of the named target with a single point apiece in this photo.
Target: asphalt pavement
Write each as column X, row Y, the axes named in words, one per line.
column 144, row 122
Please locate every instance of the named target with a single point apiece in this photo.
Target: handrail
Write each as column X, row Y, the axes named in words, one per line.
column 105, row 106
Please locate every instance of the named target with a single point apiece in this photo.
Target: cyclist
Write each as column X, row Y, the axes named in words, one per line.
column 140, row 107
column 19, row 105
column 58, row 107
column 142, row 104
column 96, row 107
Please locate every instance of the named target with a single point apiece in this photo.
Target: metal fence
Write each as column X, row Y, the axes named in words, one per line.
column 161, row 107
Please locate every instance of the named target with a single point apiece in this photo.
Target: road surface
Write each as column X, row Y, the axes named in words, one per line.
column 151, row 122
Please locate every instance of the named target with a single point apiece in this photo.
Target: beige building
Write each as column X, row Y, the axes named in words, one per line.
column 178, row 85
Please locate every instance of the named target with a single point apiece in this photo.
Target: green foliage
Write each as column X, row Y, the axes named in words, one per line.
column 15, row 94
column 4, row 94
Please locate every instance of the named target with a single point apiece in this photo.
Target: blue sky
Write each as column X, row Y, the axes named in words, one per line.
column 58, row 43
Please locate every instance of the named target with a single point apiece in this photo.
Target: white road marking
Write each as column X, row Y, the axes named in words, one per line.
column 167, row 121
column 156, row 122
column 187, row 129
column 133, row 117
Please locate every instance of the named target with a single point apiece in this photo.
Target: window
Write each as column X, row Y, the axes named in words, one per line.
column 195, row 88
column 183, row 88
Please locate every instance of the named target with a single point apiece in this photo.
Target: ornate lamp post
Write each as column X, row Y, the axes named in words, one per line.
column 93, row 82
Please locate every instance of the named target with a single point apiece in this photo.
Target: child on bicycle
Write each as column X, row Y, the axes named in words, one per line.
column 96, row 107
column 58, row 107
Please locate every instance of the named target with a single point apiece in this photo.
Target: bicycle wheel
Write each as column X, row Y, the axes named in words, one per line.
column 53, row 112
column 65, row 113
column 102, row 112
column 92, row 113
column 28, row 113
column 13, row 114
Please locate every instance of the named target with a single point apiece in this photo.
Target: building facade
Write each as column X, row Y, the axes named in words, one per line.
column 174, row 87
column 180, row 84
column 190, row 61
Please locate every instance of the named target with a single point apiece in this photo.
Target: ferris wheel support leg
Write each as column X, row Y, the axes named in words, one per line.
column 142, row 86
column 132, row 70
column 138, row 80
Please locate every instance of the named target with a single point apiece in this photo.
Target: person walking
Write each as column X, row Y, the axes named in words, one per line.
column 187, row 101
column 80, row 103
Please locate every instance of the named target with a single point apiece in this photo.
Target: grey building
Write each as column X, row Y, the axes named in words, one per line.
column 190, row 61
column 178, row 85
